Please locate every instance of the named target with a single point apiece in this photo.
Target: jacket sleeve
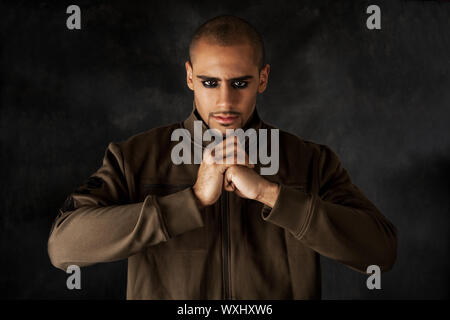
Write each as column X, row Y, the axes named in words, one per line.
column 339, row 222
column 97, row 223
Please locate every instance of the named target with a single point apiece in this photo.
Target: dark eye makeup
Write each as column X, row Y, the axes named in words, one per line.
column 235, row 84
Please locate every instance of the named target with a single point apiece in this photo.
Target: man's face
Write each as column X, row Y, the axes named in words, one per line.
column 225, row 81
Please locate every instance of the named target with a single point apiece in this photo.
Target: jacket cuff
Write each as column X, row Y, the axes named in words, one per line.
column 179, row 212
column 292, row 210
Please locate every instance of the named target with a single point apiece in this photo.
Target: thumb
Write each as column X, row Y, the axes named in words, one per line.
column 228, row 184
column 229, row 187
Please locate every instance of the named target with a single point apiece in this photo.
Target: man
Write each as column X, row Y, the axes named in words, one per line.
column 217, row 230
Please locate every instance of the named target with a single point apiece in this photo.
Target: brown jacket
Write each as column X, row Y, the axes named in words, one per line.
column 140, row 206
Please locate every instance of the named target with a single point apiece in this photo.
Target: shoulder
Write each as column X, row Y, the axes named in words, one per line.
column 295, row 144
column 299, row 155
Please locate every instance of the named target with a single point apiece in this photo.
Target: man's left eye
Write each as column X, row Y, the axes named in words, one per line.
column 240, row 84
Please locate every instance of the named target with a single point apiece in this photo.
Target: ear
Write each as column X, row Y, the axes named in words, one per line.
column 189, row 71
column 263, row 78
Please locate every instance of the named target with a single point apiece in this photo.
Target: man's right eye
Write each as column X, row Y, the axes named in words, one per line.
column 209, row 84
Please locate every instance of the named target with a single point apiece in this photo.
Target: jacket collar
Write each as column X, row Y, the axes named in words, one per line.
column 254, row 122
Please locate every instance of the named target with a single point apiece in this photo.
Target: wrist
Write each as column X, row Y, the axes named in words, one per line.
column 269, row 194
column 199, row 203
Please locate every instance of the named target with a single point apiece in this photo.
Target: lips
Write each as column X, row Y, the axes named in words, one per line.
column 225, row 119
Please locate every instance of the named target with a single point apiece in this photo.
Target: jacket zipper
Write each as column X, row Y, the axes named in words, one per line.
column 225, row 245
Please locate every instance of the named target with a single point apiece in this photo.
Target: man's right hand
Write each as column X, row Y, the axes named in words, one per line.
column 215, row 162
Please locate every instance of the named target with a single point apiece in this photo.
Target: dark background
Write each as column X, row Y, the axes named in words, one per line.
column 379, row 98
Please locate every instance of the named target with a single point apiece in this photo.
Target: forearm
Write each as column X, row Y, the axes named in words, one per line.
column 91, row 234
column 357, row 236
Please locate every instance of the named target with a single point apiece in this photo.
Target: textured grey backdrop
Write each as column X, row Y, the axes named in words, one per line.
column 380, row 99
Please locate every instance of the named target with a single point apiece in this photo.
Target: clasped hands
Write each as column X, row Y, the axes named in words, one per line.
column 220, row 169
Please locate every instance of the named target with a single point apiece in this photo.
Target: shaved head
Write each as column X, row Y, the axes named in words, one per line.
column 227, row 30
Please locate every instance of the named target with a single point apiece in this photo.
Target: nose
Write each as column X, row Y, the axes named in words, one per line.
column 225, row 98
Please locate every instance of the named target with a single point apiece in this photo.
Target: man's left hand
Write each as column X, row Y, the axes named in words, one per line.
column 249, row 184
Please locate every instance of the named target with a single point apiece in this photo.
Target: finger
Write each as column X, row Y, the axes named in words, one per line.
column 229, row 187
column 228, row 144
column 208, row 155
column 220, row 152
column 235, row 155
column 225, row 145
column 228, row 183
column 233, row 159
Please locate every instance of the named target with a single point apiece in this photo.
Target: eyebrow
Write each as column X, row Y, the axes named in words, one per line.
column 246, row 77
